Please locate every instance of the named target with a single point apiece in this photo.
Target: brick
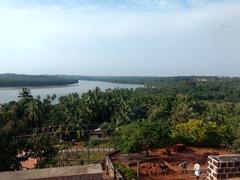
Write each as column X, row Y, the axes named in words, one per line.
column 223, row 164
column 231, row 175
column 230, row 164
column 227, row 170
column 223, row 176
column 220, row 170
column 237, row 164
column 210, row 160
column 234, row 170
column 218, row 176
column 209, row 171
column 216, row 164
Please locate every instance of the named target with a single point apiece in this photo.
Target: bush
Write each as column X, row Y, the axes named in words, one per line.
column 196, row 132
column 127, row 172
column 236, row 143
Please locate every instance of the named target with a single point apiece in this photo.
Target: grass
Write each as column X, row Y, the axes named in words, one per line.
column 73, row 158
column 94, row 156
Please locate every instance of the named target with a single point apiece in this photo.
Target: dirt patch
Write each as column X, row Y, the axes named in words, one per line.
column 149, row 167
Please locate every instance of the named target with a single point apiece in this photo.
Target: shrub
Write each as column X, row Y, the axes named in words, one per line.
column 196, row 132
column 127, row 172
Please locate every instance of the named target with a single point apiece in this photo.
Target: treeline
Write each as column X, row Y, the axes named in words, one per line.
column 16, row 80
column 200, row 87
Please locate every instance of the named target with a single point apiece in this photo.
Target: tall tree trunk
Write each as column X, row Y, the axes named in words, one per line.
column 147, row 153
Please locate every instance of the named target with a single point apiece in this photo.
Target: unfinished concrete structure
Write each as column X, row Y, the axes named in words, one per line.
column 88, row 172
column 223, row 167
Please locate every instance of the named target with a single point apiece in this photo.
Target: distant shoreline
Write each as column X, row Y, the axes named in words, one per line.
column 39, row 87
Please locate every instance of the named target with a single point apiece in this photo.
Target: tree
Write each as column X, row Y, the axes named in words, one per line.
column 196, row 132
column 107, row 129
column 25, row 93
column 126, row 139
column 182, row 110
column 121, row 114
column 153, row 135
column 33, row 112
column 141, row 136
column 43, row 147
column 9, row 151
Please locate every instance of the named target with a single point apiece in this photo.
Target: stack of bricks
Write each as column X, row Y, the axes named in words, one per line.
column 223, row 167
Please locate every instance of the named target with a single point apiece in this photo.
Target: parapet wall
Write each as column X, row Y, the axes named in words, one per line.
column 111, row 171
column 223, row 167
column 86, row 172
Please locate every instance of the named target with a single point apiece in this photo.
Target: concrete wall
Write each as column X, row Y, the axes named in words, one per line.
column 223, row 167
column 77, row 177
column 86, row 172
column 111, row 171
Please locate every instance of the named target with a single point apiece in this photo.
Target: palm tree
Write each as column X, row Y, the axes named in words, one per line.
column 24, row 93
column 33, row 112
column 53, row 97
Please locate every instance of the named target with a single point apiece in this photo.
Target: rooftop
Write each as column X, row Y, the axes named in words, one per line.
column 52, row 172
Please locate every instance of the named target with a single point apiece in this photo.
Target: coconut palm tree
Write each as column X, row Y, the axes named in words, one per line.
column 24, row 94
column 33, row 113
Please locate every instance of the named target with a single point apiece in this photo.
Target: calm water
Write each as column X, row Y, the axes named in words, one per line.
column 9, row 94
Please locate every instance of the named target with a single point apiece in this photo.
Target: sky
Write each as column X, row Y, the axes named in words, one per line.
column 120, row 37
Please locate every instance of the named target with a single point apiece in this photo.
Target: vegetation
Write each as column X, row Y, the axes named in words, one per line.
column 141, row 136
column 9, row 151
column 14, row 80
column 127, row 172
column 196, row 132
column 199, row 111
column 41, row 147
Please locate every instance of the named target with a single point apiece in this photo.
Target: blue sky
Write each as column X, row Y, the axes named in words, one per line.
column 120, row 37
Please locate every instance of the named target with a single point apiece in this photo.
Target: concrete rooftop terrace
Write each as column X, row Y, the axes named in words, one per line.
column 78, row 172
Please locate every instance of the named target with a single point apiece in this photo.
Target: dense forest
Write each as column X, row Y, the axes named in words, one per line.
column 199, row 87
column 17, row 80
column 196, row 111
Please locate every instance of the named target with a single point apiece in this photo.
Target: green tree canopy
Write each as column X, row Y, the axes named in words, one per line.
column 141, row 136
column 196, row 132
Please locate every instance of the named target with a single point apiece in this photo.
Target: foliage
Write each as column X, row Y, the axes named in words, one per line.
column 42, row 147
column 196, row 132
column 127, row 139
column 107, row 129
column 17, row 80
column 141, row 136
column 236, row 142
column 9, row 151
column 127, row 172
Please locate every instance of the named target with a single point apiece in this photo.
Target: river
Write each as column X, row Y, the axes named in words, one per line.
column 11, row 94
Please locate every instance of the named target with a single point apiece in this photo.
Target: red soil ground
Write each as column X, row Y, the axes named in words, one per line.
column 150, row 168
